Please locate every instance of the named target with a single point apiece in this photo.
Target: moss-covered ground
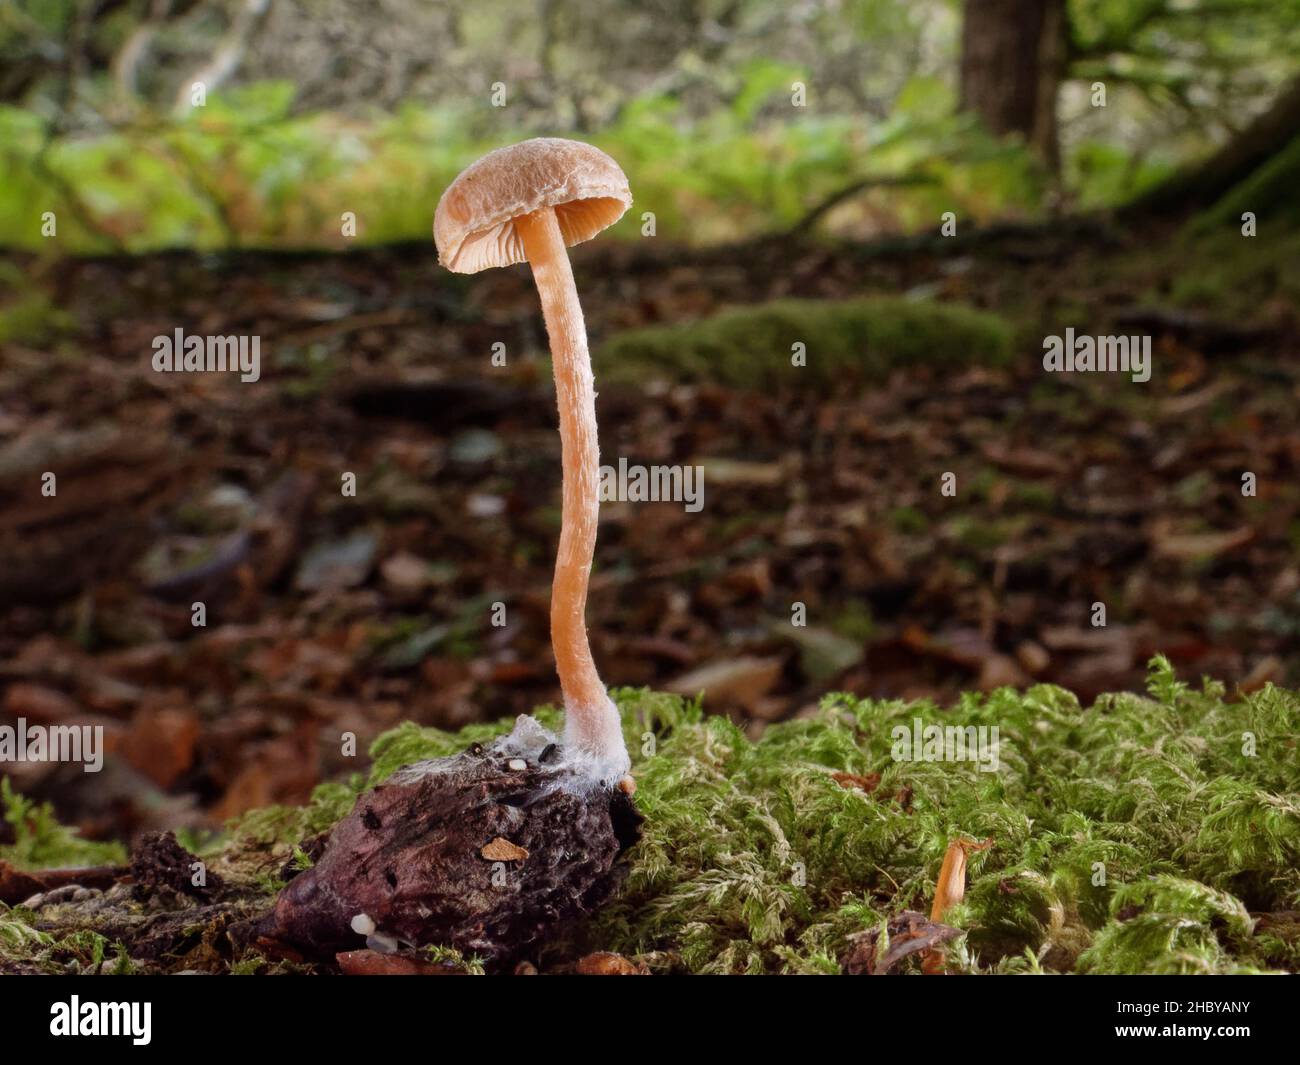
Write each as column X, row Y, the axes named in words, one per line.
column 1142, row 834
column 842, row 341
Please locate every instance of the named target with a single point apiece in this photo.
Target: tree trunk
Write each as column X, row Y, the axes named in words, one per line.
column 1013, row 55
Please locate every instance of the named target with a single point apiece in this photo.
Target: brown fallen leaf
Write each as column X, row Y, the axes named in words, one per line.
column 909, row 933
column 1188, row 547
column 161, row 743
column 502, row 850
column 607, row 963
column 742, row 681
column 735, row 472
column 372, row 963
column 39, row 703
column 661, row 647
column 867, row 783
column 1268, row 670
column 405, row 572
column 1033, row 657
column 282, row 769
column 1112, row 638
column 1025, row 460
column 1000, row 671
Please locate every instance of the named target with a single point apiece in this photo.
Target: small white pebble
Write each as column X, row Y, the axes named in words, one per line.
column 518, row 763
column 363, row 924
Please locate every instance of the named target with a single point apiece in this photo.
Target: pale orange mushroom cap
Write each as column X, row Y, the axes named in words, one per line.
column 474, row 225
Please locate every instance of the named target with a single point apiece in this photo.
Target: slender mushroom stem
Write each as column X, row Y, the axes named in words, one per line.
column 590, row 720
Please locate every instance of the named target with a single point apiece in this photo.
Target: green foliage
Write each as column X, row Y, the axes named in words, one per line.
column 846, row 341
column 246, row 170
column 40, row 842
column 1104, row 174
column 1178, row 55
column 27, row 314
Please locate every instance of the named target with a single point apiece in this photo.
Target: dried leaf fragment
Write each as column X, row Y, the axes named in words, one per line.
column 607, row 963
column 502, row 850
column 372, row 963
column 908, row 933
column 867, row 783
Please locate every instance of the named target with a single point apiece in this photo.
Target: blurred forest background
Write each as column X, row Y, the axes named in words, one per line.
column 792, row 165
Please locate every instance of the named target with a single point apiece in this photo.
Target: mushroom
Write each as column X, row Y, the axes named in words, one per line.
column 422, row 853
column 528, row 203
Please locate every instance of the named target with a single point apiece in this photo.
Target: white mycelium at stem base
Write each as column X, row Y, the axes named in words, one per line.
column 591, row 721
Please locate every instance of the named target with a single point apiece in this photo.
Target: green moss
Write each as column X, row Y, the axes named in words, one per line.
column 1179, row 926
column 1143, row 834
column 413, row 743
column 1220, row 271
column 855, row 622
column 455, row 960
column 40, row 842
column 982, row 535
column 82, row 952
column 1232, row 276
column 32, row 319
column 844, row 342
column 1034, row 496
column 329, row 803
column 1268, row 193
column 19, row 940
column 908, row 521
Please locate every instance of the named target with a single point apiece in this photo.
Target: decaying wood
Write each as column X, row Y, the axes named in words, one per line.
column 466, row 852
column 18, row 885
column 159, row 861
column 373, row 963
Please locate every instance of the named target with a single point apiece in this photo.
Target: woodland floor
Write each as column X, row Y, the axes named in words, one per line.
column 330, row 614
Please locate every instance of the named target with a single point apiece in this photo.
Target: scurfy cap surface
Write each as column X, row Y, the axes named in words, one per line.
column 474, row 225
